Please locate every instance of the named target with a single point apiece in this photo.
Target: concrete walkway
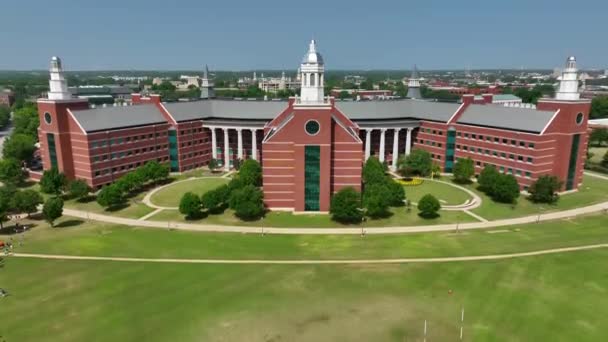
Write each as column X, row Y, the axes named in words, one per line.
column 314, row 262
column 596, row 175
column 339, row 231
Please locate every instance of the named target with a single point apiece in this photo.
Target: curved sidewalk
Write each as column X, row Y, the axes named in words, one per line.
column 315, row 262
column 338, row 231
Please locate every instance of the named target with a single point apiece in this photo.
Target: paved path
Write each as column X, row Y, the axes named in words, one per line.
column 314, row 262
column 338, row 231
column 596, row 175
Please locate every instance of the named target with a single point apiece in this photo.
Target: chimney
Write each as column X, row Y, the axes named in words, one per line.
column 467, row 99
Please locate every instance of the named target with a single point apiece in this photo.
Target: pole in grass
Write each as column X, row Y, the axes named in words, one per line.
column 424, row 330
column 461, row 322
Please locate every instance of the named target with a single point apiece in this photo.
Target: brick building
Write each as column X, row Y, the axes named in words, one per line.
column 312, row 145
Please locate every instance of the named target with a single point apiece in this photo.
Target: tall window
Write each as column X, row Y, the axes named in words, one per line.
column 572, row 164
column 312, row 162
column 449, row 149
column 173, row 155
column 50, row 139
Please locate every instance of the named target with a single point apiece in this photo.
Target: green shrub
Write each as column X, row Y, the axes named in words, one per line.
column 545, row 189
column 190, row 205
column 429, row 206
column 463, row 170
column 52, row 209
column 247, row 202
column 345, row 206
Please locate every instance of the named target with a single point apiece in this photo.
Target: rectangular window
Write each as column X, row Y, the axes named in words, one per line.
column 173, row 156
column 50, row 139
column 531, row 145
column 522, row 144
column 573, row 161
column 529, row 159
column 312, row 167
column 528, row 174
column 496, row 140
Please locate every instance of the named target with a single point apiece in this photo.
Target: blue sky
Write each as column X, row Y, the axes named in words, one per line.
column 246, row 35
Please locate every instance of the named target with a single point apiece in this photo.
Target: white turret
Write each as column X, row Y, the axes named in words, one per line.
column 311, row 78
column 207, row 84
column 568, row 85
column 413, row 85
column 58, row 86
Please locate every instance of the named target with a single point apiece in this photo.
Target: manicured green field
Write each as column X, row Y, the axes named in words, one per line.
column 592, row 191
column 445, row 193
column 76, row 237
column 133, row 208
column 598, row 154
column 400, row 217
column 548, row 298
column 171, row 195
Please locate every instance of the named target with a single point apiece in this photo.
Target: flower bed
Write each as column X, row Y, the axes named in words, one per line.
column 410, row 181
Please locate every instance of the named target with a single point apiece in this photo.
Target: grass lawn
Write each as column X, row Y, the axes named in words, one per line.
column 400, row 217
column 598, row 154
column 446, row 194
column 134, row 208
column 171, row 195
column 593, row 190
column 548, row 298
column 75, row 237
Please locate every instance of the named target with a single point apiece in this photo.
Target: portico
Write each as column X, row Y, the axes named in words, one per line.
column 226, row 132
column 401, row 135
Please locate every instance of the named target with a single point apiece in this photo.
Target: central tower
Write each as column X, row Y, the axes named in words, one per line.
column 311, row 76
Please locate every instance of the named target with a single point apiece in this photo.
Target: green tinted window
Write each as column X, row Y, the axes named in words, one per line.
column 573, row 158
column 50, row 138
column 173, row 157
column 312, row 159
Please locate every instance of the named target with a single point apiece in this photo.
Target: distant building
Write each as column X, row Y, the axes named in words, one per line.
column 497, row 99
column 413, row 85
column 7, row 97
column 102, row 93
column 364, row 94
column 275, row 84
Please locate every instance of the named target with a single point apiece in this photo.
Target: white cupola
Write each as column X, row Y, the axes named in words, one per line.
column 311, row 76
column 568, row 84
column 58, row 86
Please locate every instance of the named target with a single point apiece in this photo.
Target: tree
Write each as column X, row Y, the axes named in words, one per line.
column 6, row 201
column 598, row 136
column 345, row 206
column 395, row 193
column 27, row 201
column 373, row 171
column 506, row 189
column 213, row 164
column 545, row 189
column 247, row 202
column 52, row 181
column 190, row 205
column 419, row 162
column 19, row 146
column 487, row 178
column 5, row 116
column 463, row 170
column 154, row 171
column 375, row 201
column 11, row 171
column 599, row 107
column 52, row 209
column 26, row 121
column 429, row 206
column 215, row 200
column 250, row 172
column 605, row 159
column 79, row 189
column 110, row 196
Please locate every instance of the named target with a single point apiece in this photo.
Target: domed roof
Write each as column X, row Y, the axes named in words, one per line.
column 312, row 56
column 571, row 59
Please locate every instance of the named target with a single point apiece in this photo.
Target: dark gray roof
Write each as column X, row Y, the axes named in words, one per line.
column 520, row 119
column 226, row 109
column 398, row 109
column 99, row 119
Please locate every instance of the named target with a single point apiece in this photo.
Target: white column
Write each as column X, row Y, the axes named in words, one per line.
column 368, row 143
column 382, row 134
column 240, row 143
column 254, row 145
column 408, row 141
column 226, row 150
column 213, row 143
column 395, row 148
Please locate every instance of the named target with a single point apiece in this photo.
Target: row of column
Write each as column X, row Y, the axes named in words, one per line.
column 254, row 144
column 368, row 143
